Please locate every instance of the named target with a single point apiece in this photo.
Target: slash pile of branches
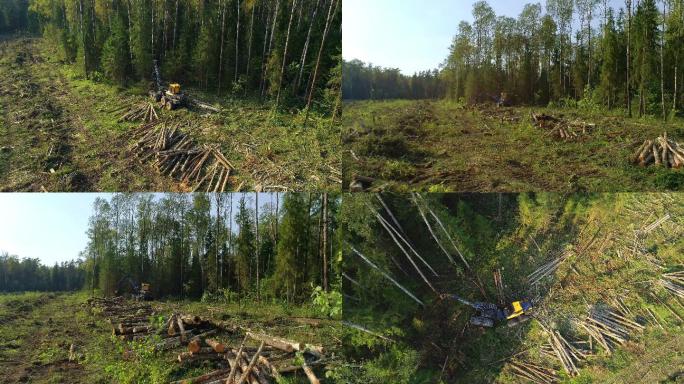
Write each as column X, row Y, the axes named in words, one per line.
column 177, row 155
column 674, row 283
column 562, row 129
column 567, row 353
column 145, row 112
column 547, row 269
column 201, row 338
column 661, row 151
column 609, row 327
column 532, row 372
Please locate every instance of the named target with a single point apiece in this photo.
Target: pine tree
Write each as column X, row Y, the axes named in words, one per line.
column 115, row 53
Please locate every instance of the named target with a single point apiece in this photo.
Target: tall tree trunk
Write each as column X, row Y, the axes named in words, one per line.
column 175, row 26
column 306, row 46
column 629, row 43
column 662, row 65
column 333, row 6
column 263, row 56
column 325, row 242
column 249, row 45
column 237, row 43
column 287, row 42
column 256, row 216
column 223, row 33
column 230, row 226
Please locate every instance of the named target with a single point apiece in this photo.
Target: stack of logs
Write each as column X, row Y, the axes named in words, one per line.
column 560, row 128
column 177, row 155
column 567, row 353
column 661, row 151
column 532, row 372
column 609, row 327
column 144, row 111
column 673, row 282
column 254, row 365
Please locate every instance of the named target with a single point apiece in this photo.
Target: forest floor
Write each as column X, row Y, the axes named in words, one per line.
column 38, row 329
column 61, row 132
column 618, row 248
column 444, row 146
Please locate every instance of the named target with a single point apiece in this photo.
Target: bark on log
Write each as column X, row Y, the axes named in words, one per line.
column 216, row 345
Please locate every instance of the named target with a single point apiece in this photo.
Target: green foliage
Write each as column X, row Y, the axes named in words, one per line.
column 116, row 54
column 328, row 304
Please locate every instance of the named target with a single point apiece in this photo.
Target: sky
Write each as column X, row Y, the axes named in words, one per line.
column 412, row 35
column 52, row 226
column 48, row 226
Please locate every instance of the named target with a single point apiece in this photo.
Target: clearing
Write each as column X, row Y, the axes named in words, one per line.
column 62, row 132
column 444, row 146
column 68, row 338
column 604, row 273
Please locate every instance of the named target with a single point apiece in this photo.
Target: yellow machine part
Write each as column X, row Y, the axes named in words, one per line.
column 174, row 88
column 517, row 310
column 145, row 287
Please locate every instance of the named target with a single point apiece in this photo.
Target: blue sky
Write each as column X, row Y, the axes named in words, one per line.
column 412, row 35
column 52, row 226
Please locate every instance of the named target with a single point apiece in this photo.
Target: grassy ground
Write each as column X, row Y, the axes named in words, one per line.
column 37, row 330
column 59, row 132
column 607, row 262
column 443, row 146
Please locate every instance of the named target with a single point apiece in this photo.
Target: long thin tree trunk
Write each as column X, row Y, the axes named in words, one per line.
column 237, row 43
column 325, row 241
column 256, row 216
column 306, row 46
column 223, row 34
column 333, row 5
column 662, row 65
column 249, row 45
column 175, row 26
column 629, row 43
column 287, row 42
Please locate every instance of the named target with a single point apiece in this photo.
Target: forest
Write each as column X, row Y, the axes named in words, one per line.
column 20, row 275
column 625, row 58
column 14, row 16
column 367, row 82
column 416, row 267
column 284, row 50
column 215, row 244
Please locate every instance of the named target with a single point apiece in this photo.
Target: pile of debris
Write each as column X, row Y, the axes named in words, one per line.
column 508, row 115
column 532, row 373
column 145, row 112
column 569, row 354
column 560, row 128
column 661, row 151
column 674, row 283
column 200, row 336
column 609, row 327
column 177, row 155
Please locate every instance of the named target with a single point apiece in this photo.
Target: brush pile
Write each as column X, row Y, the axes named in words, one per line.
column 609, row 327
column 560, row 128
column 661, row 151
column 177, row 155
column 263, row 362
column 532, row 373
column 674, row 283
column 145, row 112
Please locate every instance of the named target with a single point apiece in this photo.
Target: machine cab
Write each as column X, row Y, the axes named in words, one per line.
column 516, row 309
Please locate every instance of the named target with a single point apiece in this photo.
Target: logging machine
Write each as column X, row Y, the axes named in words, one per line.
column 489, row 314
column 138, row 291
column 171, row 98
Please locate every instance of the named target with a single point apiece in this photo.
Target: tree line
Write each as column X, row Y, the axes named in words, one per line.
column 28, row 274
column 629, row 57
column 214, row 244
column 286, row 50
column 367, row 82
column 14, row 16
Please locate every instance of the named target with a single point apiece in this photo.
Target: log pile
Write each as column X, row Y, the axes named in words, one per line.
column 566, row 352
column 177, row 155
column 674, row 283
column 532, row 373
column 145, row 112
column 547, row 269
column 609, row 327
column 562, row 129
column 201, row 338
column 661, row 151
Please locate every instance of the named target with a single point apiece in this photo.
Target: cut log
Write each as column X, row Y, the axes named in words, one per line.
column 202, row 379
column 216, row 345
column 310, row 374
column 246, row 372
column 276, row 342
